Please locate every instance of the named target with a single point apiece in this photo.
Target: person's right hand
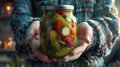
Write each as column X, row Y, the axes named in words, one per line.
column 85, row 35
column 33, row 40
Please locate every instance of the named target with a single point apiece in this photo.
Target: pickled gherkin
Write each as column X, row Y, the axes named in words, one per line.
column 64, row 51
column 54, row 41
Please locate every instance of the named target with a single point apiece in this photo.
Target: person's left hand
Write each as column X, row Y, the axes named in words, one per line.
column 85, row 34
column 32, row 39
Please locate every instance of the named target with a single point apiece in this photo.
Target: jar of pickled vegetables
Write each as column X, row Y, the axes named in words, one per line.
column 58, row 31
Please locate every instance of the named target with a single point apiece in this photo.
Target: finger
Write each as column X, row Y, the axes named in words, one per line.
column 29, row 34
column 35, row 43
column 66, row 58
column 88, row 34
column 41, row 56
column 80, row 49
column 34, row 40
column 33, row 30
column 44, row 58
column 37, row 37
column 29, row 41
column 76, row 51
column 36, row 31
column 81, row 31
column 71, row 58
column 85, row 32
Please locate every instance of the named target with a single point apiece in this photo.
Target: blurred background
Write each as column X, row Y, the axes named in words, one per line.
column 8, row 57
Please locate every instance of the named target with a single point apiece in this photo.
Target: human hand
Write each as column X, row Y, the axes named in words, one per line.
column 33, row 40
column 85, row 34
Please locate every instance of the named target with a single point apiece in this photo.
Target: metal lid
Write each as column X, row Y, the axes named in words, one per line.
column 65, row 7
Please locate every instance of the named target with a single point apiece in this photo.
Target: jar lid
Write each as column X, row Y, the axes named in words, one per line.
column 65, row 7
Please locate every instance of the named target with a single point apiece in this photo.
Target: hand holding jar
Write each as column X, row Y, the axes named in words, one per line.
column 59, row 36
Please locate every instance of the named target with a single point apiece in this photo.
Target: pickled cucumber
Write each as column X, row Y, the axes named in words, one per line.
column 65, row 31
column 54, row 41
column 64, row 51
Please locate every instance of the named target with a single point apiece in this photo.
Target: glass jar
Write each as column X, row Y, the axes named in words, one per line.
column 48, row 10
column 58, row 33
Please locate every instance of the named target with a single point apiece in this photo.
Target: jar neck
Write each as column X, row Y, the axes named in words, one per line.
column 65, row 11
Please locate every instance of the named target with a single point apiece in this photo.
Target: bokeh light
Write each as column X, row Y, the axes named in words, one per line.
column 8, row 8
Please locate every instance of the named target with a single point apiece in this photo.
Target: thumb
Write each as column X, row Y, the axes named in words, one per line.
column 85, row 32
column 88, row 34
column 32, row 30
